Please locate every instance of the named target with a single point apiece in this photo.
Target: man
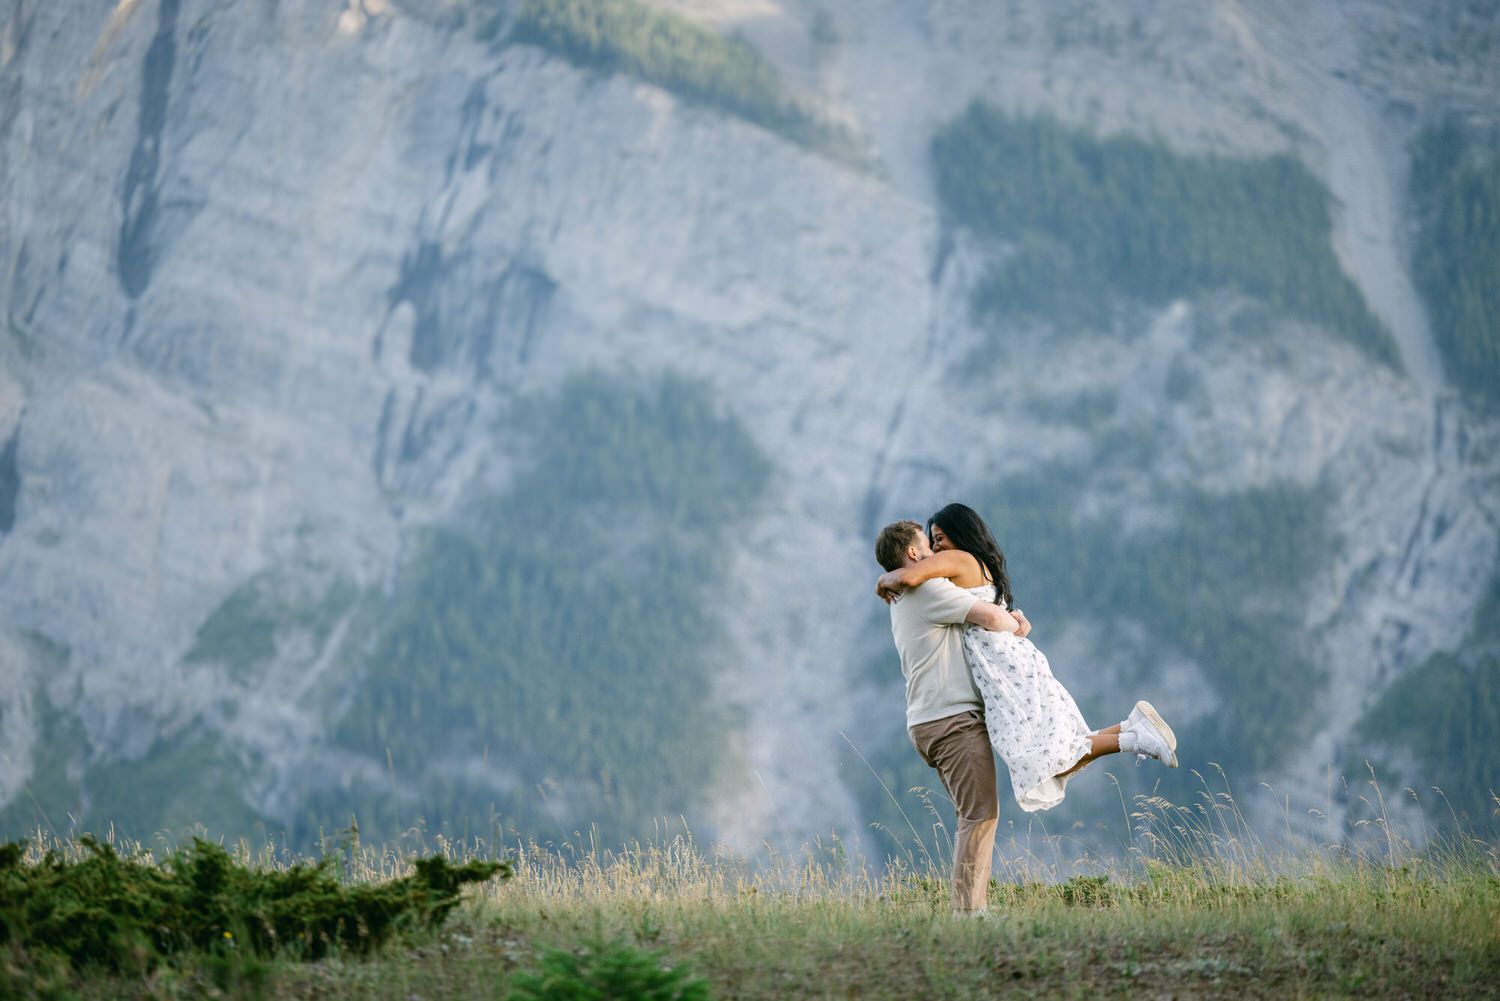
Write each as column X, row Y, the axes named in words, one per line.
column 944, row 710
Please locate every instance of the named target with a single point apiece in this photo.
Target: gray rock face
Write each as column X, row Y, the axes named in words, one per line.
column 273, row 273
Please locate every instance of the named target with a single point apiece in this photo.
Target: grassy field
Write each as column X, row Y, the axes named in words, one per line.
column 1197, row 906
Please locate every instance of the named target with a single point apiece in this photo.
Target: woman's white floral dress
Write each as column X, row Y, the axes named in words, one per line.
column 1034, row 723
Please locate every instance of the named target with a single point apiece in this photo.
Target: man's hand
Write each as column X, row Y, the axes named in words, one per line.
column 1020, row 617
column 889, row 586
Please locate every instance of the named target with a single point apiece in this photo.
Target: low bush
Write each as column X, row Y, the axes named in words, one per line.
column 118, row 915
column 607, row 970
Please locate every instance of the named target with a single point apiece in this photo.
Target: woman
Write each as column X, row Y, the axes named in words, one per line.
column 1034, row 724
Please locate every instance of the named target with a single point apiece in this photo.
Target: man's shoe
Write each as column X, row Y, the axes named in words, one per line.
column 1148, row 734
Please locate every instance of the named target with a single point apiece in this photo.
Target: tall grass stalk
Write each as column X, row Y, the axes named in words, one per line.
column 1195, row 902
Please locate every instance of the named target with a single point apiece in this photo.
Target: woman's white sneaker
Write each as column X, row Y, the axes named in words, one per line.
column 1146, row 733
column 1145, row 711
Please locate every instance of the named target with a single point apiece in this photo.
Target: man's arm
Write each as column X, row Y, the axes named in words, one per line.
column 991, row 617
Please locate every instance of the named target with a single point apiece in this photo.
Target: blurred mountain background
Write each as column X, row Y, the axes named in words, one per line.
column 475, row 415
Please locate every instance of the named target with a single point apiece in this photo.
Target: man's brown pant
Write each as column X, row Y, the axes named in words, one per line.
column 959, row 748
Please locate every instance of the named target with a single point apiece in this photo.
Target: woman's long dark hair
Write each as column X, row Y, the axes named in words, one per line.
column 967, row 531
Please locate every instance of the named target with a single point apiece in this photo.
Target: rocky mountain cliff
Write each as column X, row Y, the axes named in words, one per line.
column 284, row 284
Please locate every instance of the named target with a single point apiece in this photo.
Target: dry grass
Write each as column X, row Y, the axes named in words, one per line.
column 1196, row 904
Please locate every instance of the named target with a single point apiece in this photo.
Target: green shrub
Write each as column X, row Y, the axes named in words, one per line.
column 128, row 916
column 1098, row 219
column 607, row 971
column 1456, row 197
column 1086, row 891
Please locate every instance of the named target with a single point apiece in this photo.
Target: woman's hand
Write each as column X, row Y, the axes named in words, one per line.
column 890, row 585
column 1025, row 627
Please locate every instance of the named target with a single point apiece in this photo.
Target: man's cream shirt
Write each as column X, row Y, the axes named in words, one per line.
column 938, row 682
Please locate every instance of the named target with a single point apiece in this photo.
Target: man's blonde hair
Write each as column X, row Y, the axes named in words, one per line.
column 891, row 543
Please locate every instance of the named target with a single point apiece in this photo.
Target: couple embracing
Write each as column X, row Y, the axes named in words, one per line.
column 974, row 681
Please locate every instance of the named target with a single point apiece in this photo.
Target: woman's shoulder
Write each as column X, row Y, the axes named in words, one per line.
column 973, row 573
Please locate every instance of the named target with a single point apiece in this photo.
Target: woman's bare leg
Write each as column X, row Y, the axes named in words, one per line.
column 1106, row 741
